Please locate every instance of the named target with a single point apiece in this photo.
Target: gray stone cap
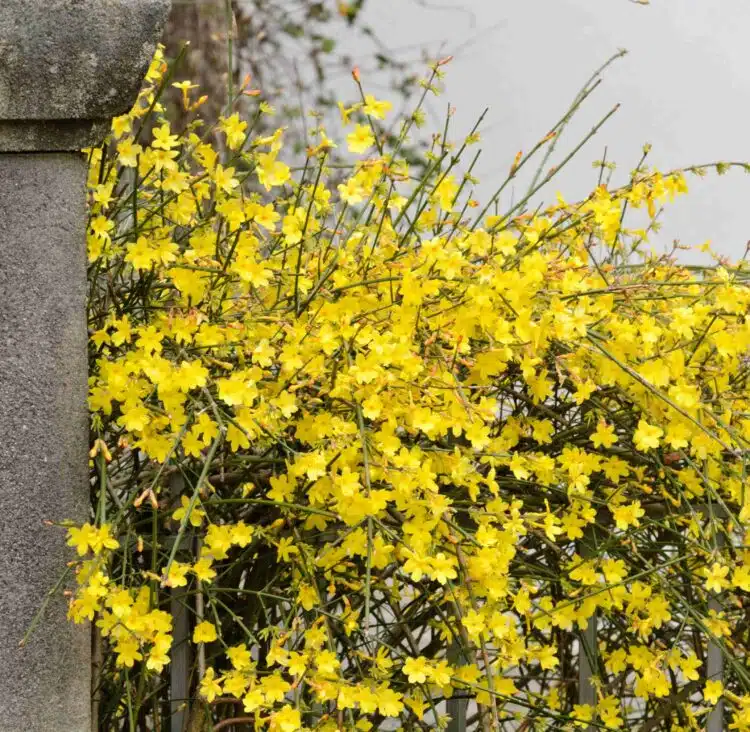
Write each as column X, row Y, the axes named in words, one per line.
column 68, row 66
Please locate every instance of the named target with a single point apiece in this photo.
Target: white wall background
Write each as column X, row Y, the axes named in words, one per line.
column 684, row 87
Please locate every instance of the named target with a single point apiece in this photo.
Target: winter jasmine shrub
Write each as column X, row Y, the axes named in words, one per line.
column 389, row 448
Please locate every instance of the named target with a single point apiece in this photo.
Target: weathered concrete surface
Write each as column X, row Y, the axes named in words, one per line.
column 46, row 136
column 63, row 60
column 43, row 437
column 66, row 68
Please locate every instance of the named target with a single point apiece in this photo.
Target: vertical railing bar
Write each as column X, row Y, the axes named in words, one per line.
column 179, row 667
column 587, row 666
column 714, row 655
column 456, row 708
column 588, row 647
column 715, row 672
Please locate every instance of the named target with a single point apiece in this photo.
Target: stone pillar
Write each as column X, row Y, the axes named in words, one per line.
column 66, row 68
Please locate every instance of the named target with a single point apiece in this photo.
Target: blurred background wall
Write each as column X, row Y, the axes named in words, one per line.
column 684, row 85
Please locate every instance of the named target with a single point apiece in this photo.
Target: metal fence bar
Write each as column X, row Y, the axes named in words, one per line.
column 714, row 655
column 456, row 708
column 588, row 648
column 179, row 668
column 587, row 667
column 715, row 672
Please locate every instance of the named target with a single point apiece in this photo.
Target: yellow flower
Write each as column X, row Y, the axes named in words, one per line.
column 253, row 700
column 375, row 108
column 209, row 686
column 351, row 192
column 360, row 139
column 121, row 125
column 713, row 691
column 163, row 140
column 286, row 549
column 546, row 657
column 128, row 652
column 271, row 172
column 389, row 701
column 741, row 577
column 287, row 719
column 177, row 576
column 604, row 436
column 608, row 709
column 647, row 436
column 266, row 216
column 235, row 130
column 446, row 192
column 218, row 540
column 203, row 569
column 627, row 515
column 689, row 666
column 716, row 577
column 120, row 602
column 307, row 597
column 101, row 227
column 197, row 514
column 128, row 152
column 275, row 687
column 583, row 713
column 205, row 632
column 416, row 670
column 241, row 534
column 239, row 656
column 82, row 539
column 326, row 662
column 224, row 178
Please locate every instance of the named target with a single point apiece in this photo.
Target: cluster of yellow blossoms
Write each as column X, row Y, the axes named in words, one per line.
column 391, row 452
